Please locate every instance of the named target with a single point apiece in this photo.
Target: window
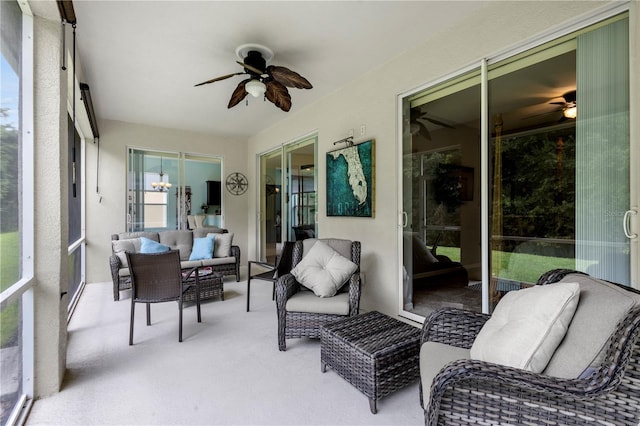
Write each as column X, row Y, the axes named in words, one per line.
column 166, row 188
column 16, row 211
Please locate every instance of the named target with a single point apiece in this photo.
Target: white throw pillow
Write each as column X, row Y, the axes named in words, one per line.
column 222, row 244
column 527, row 326
column 323, row 270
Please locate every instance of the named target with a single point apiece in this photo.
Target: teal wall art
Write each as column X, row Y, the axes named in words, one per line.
column 350, row 180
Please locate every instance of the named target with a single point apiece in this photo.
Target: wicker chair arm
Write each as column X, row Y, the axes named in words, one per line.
column 453, row 326
column 354, row 294
column 114, row 265
column 235, row 252
column 547, row 386
column 286, row 286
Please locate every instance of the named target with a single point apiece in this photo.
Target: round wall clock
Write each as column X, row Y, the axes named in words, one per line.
column 236, row 183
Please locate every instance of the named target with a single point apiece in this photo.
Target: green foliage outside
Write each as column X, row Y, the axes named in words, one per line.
column 9, row 274
column 521, row 267
column 9, row 248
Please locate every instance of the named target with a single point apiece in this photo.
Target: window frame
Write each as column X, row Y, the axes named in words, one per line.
column 23, row 288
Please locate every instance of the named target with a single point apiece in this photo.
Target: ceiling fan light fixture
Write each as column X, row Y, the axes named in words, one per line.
column 256, row 88
column 571, row 112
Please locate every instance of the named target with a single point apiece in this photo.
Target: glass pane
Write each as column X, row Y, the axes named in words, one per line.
column 202, row 178
column 301, row 188
column 75, row 183
column 441, row 173
column 10, row 358
column 10, row 145
column 270, row 205
column 559, row 178
column 75, row 274
column 155, row 216
column 153, row 180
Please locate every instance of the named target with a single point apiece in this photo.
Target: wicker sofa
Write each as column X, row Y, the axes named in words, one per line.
column 593, row 377
column 181, row 240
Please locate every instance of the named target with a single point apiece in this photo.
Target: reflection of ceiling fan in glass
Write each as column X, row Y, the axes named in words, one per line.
column 568, row 107
column 417, row 123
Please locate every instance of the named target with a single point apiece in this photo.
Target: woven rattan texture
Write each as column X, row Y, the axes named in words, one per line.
column 305, row 324
column 211, row 286
column 124, row 283
column 469, row 392
column 375, row 353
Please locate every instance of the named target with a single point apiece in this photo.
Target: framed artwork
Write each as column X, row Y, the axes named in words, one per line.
column 350, row 180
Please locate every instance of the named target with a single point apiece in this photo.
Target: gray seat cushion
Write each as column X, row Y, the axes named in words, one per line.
column 307, row 301
column 602, row 305
column 433, row 357
column 178, row 240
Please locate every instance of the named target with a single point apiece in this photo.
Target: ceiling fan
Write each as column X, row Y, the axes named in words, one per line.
column 417, row 126
column 568, row 107
column 268, row 81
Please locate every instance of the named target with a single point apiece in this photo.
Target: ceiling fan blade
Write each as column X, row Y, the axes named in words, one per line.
column 251, row 68
column 278, row 94
column 224, row 77
column 558, row 103
column 239, row 94
column 438, row 122
column 555, row 111
column 417, row 128
column 288, row 78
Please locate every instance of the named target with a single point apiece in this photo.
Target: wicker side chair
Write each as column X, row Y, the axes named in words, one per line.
column 157, row 278
column 467, row 391
column 296, row 323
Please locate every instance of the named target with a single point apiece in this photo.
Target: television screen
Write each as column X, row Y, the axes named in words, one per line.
column 214, row 195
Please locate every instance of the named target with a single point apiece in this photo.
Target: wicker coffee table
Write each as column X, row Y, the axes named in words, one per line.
column 211, row 285
column 375, row 353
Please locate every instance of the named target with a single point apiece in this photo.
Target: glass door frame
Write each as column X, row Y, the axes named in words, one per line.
column 286, row 187
column 484, row 65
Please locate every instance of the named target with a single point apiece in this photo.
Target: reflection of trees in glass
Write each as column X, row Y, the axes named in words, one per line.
column 538, row 185
column 9, row 176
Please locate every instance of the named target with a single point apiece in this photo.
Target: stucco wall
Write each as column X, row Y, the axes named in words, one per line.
column 372, row 100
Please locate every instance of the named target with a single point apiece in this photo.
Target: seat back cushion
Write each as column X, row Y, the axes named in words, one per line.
column 137, row 234
column 323, row 270
column 121, row 247
column 222, row 244
column 433, row 357
column 178, row 240
column 343, row 247
column 203, row 232
column 602, row 305
column 527, row 326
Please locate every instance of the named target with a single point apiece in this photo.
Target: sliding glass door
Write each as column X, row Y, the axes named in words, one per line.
column 553, row 170
column 287, row 196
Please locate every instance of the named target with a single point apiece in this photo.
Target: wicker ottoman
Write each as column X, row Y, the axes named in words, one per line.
column 375, row 353
column 211, row 285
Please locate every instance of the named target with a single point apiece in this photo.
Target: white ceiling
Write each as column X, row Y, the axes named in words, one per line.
column 142, row 58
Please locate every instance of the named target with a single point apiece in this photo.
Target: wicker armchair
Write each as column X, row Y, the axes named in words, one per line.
column 157, row 278
column 295, row 323
column 467, row 391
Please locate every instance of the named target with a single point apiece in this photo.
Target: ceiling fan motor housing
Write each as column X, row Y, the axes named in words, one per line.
column 255, row 60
